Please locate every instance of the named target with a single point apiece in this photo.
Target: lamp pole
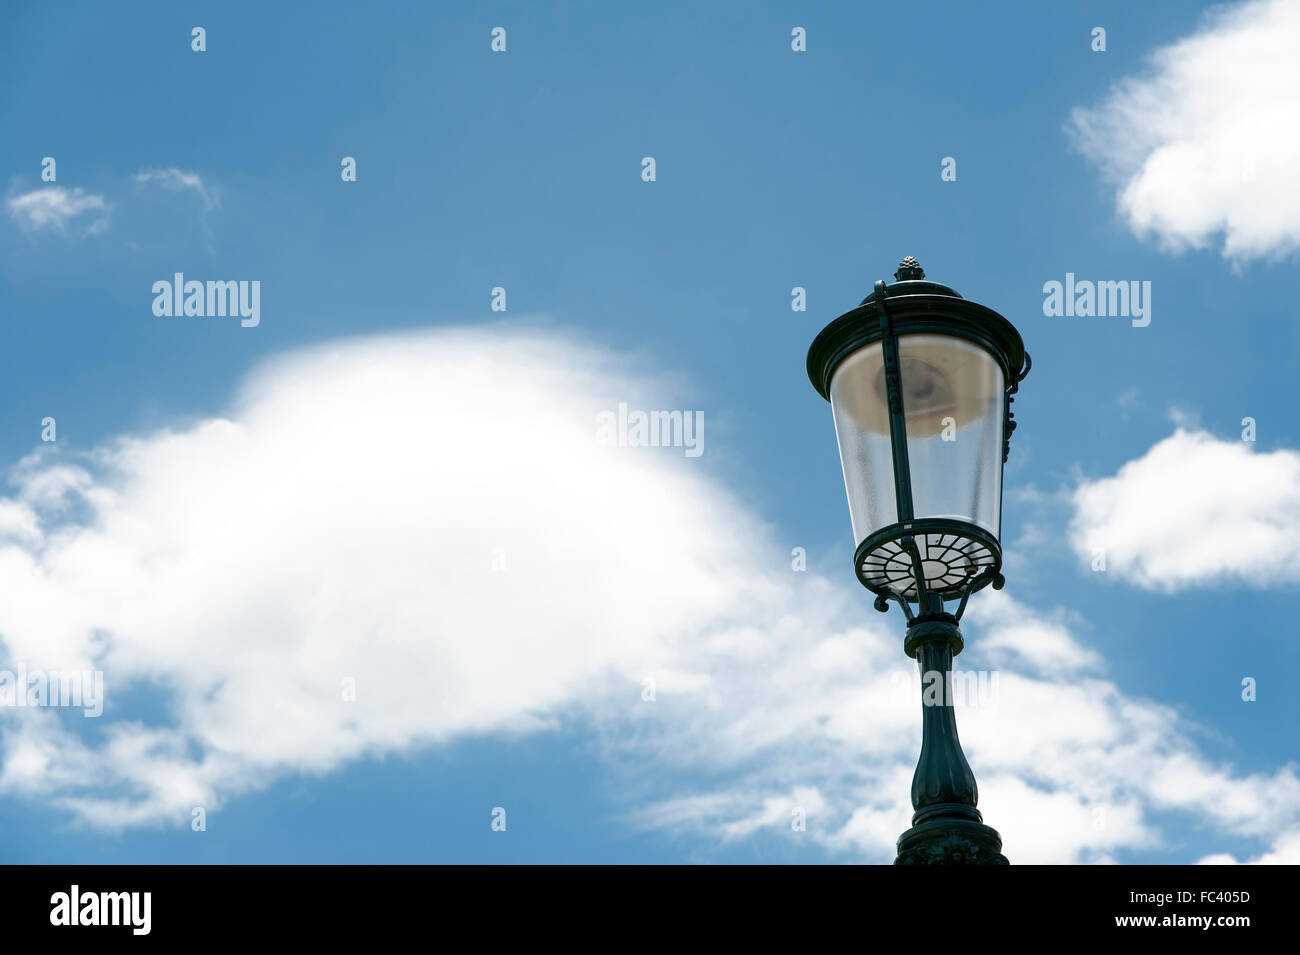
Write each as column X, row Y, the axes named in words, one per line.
column 921, row 382
column 947, row 828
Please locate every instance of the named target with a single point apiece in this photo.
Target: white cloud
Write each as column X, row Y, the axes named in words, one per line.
column 343, row 521
column 1285, row 852
column 1195, row 511
column 75, row 211
column 1036, row 644
column 1070, row 768
column 58, row 209
column 1205, row 142
column 177, row 179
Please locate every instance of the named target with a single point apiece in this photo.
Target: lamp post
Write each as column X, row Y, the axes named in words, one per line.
column 920, row 382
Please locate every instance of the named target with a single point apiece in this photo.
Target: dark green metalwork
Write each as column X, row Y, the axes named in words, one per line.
column 988, row 577
column 894, row 397
column 909, row 270
column 915, row 307
column 947, row 827
column 973, row 536
column 1010, row 423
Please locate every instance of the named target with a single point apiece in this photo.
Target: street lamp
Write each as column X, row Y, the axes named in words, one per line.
column 920, row 382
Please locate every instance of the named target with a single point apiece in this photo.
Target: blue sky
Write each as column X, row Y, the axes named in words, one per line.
column 522, row 170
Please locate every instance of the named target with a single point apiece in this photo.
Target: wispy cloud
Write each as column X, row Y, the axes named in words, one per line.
column 59, row 210
column 77, row 212
column 173, row 178
column 1205, row 143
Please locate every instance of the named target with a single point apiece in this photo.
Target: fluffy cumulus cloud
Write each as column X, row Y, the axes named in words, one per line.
column 60, row 210
column 1204, row 143
column 431, row 519
column 1195, row 511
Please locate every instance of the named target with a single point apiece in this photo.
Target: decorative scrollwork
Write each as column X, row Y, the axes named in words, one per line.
column 992, row 577
column 882, row 603
column 1010, row 424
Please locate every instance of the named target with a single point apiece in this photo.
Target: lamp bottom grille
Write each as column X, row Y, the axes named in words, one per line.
column 952, row 555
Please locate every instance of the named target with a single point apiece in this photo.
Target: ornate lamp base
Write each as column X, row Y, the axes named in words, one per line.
column 950, row 834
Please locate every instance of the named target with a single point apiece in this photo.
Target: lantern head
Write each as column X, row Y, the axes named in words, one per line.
column 920, row 382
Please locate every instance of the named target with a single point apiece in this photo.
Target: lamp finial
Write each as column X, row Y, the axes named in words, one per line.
column 909, row 268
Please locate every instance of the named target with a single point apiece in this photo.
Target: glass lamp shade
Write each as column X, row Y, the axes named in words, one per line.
column 952, row 406
column 953, row 411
